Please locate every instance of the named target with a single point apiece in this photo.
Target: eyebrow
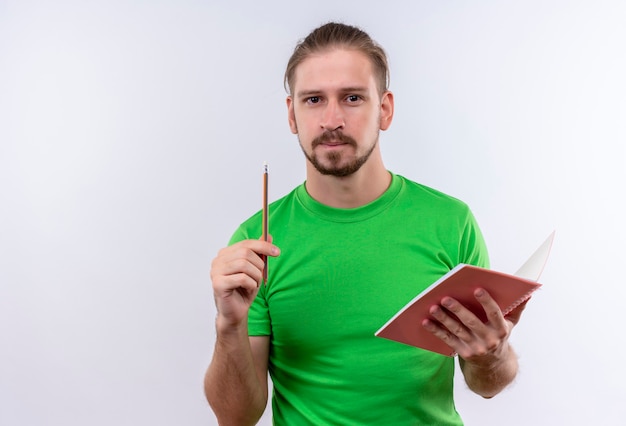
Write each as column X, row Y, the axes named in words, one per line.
column 352, row 89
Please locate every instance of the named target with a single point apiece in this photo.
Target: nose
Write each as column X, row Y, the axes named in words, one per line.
column 332, row 117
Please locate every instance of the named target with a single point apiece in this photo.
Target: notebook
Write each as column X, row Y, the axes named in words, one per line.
column 509, row 291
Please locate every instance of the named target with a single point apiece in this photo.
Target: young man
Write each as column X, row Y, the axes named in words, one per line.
column 356, row 243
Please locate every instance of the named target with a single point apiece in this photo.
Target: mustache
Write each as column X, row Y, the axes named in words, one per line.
column 333, row 136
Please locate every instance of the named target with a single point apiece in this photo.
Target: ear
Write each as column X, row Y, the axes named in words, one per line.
column 291, row 116
column 386, row 110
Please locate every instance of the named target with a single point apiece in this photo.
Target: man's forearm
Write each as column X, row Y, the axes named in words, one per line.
column 231, row 384
column 488, row 378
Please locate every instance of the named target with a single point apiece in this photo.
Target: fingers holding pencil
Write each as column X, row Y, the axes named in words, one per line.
column 236, row 273
column 239, row 269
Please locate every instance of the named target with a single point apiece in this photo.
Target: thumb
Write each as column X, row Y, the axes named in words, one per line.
column 516, row 313
column 269, row 238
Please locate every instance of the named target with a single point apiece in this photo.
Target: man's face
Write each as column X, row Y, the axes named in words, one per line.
column 336, row 110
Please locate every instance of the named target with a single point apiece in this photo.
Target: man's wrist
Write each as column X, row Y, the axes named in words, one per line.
column 226, row 327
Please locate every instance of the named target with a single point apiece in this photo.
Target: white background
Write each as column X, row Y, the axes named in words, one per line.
column 132, row 137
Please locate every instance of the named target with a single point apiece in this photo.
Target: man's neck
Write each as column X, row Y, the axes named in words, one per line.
column 356, row 190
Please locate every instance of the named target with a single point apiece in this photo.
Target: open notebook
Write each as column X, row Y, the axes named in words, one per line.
column 460, row 282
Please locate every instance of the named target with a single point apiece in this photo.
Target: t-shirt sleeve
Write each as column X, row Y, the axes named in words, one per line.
column 259, row 315
column 473, row 246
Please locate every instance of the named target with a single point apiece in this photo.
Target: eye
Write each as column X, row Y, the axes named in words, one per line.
column 313, row 100
column 353, row 99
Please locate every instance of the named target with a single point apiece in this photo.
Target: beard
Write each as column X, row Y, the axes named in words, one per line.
column 336, row 165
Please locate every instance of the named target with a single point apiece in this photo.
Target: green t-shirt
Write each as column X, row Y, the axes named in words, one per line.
column 341, row 275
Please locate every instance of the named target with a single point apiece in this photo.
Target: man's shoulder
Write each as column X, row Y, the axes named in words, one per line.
column 430, row 195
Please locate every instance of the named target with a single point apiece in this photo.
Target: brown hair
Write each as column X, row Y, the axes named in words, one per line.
column 337, row 35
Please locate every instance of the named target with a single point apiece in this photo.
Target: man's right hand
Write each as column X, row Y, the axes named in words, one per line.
column 236, row 273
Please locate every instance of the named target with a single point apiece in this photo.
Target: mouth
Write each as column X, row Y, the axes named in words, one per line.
column 333, row 140
column 333, row 146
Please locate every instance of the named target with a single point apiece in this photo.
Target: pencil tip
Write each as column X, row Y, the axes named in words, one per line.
column 265, row 166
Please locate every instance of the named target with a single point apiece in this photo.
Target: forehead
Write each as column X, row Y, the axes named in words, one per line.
column 334, row 69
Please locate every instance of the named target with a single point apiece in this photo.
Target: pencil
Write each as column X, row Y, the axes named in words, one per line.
column 265, row 217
